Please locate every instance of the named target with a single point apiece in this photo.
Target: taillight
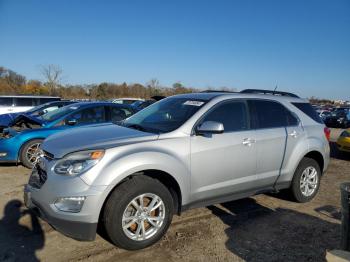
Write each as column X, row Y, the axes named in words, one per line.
column 327, row 133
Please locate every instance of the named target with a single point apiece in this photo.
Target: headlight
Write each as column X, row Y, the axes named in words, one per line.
column 78, row 162
column 345, row 134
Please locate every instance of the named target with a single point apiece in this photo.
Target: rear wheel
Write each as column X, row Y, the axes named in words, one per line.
column 138, row 213
column 30, row 152
column 306, row 180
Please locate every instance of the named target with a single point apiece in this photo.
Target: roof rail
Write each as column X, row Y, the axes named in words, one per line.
column 268, row 92
column 217, row 91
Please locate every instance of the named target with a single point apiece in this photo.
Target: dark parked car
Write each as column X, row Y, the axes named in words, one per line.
column 142, row 104
column 339, row 118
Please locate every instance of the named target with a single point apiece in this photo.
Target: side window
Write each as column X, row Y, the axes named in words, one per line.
column 89, row 115
column 119, row 113
column 309, row 110
column 233, row 115
column 292, row 120
column 270, row 114
column 6, row 101
column 24, row 101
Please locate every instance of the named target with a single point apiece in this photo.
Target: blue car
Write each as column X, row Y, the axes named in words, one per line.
column 21, row 141
column 6, row 119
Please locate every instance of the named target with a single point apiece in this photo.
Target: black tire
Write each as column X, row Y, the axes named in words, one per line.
column 295, row 188
column 119, row 200
column 23, row 154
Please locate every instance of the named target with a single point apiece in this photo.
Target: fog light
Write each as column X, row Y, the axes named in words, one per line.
column 3, row 154
column 70, row 204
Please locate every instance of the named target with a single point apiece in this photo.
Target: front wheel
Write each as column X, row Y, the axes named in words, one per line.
column 30, row 152
column 306, row 180
column 138, row 213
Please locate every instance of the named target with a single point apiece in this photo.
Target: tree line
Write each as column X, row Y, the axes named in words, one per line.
column 13, row 83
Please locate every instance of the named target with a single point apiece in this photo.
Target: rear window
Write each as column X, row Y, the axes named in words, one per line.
column 308, row 110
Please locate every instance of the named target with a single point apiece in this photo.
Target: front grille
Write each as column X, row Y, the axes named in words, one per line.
column 38, row 177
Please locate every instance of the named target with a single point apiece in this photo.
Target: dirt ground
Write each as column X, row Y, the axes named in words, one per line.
column 260, row 228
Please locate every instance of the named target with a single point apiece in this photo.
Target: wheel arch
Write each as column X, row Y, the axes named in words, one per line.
column 164, row 177
column 24, row 143
column 317, row 156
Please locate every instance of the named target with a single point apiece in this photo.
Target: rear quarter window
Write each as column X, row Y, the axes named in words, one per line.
column 309, row 110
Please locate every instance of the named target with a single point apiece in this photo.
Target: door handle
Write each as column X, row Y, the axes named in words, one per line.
column 294, row 134
column 248, row 141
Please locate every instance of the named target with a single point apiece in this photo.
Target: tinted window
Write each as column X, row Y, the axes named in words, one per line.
column 6, row 101
column 24, row 101
column 233, row 115
column 308, row 110
column 119, row 113
column 89, row 115
column 270, row 114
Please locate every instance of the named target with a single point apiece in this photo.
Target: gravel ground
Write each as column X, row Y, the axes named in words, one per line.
column 260, row 228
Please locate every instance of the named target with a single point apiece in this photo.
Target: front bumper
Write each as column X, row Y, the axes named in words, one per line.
column 10, row 147
column 41, row 198
column 74, row 229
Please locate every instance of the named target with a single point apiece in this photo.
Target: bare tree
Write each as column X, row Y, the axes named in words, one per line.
column 153, row 83
column 52, row 75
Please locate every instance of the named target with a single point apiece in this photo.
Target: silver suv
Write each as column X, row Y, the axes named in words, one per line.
column 185, row 151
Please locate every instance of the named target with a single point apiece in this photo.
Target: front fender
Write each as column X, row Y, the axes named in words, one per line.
column 118, row 169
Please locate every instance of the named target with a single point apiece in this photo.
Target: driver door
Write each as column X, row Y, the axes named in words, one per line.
column 224, row 164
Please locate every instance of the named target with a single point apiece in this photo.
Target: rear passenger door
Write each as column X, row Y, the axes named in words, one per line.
column 269, row 120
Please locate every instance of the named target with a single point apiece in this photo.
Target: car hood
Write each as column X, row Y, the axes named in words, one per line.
column 26, row 118
column 5, row 119
column 93, row 137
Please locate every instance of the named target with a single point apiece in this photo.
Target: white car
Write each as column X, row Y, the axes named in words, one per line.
column 21, row 103
column 126, row 100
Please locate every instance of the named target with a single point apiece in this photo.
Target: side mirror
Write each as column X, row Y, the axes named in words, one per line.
column 210, row 127
column 71, row 122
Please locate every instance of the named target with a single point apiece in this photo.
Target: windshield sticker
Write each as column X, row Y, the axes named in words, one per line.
column 193, row 103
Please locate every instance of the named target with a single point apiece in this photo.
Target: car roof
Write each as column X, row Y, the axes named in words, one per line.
column 97, row 103
column 211, row 95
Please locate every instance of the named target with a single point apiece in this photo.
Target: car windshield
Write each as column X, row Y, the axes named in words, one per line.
column 37, row 108
column 165, row 115
column 56, row 114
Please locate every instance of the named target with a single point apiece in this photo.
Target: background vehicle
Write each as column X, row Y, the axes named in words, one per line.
column 182, row 152
column 21, row 141
column 6, row 119
column 324, row 114
column 126, row 101
column 340, row 117
column 343, row 141
column 13, row 104
column 139, row 105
